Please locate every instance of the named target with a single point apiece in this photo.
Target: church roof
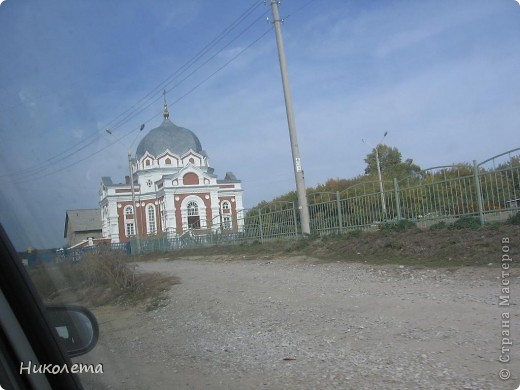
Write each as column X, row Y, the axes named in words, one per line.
column 83, row 220
column 229, row 178
column 168, row 136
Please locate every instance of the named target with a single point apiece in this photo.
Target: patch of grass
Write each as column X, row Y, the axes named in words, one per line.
column 299, row 244
column 515, row 219
column 472, row 223
column 442, row 247
column 332, row 236
column 439, row 226
column 97, row 279
column 400, row 226
column 394, row 244
column 354, row 233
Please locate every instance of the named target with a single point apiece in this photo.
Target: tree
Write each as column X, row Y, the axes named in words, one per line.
column 391, row 163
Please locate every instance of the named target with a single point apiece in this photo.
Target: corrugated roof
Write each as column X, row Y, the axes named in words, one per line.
column 83, row 220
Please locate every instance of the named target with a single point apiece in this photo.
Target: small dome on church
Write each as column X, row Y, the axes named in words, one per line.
column 168, row 136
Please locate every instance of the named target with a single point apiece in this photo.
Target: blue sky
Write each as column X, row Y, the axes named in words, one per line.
column 442, row 77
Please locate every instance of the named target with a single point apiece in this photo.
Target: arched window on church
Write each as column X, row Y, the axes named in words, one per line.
column 129, row 221
column 226, row 222
column 193, row 215
column 193, row 208
column 130, row 229
column 150, row 219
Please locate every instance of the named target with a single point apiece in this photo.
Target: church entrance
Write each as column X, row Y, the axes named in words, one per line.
column 193, row 216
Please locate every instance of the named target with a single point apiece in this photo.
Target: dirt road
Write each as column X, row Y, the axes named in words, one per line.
column 296, row 324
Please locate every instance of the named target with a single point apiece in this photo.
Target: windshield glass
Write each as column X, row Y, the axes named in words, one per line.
column 324, row 200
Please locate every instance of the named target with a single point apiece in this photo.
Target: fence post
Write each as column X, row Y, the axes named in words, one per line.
column 164, row 242
column 397, row 200
column 295, row 220
column 340, row 217
column 260, row 224
column 479, row 194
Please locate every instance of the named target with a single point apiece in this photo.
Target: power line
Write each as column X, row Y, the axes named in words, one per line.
column 255, row 4
column 152, row 102
column 223, row 66
column 190, row 62
column 81, row 145
column 25, row 179
column 35, row 171
column 300, row 9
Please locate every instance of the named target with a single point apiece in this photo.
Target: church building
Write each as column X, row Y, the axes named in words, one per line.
column 172, row 190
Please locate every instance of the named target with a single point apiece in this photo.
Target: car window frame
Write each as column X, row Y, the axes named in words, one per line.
column 30, row 321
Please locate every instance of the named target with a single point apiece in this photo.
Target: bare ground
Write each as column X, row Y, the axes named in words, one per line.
column 296, row 324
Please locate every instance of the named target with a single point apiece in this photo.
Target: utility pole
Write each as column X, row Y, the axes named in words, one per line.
column 137, row 235
column 297, row 162
column 383, row 202
column 130, row 171
column 379, row 177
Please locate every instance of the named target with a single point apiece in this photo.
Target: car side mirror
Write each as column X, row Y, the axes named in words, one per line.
column 76, row 326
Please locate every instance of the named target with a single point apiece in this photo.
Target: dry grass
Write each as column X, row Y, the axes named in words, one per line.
column 442, row 246
column 98, row 279
column 109, row 277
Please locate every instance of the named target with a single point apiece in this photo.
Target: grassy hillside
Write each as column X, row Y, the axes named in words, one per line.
column 111, row 278
column 463, row 244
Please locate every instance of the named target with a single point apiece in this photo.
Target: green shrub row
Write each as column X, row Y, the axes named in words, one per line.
column 472, row 223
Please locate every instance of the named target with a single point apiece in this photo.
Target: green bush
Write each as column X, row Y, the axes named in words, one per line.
column 515, row 219
column 439, row 226
column 466, row 223
column 354, row 233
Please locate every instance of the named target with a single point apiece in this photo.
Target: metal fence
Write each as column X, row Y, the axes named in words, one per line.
column 77, row 253
column 277, row 220
column 489, row 190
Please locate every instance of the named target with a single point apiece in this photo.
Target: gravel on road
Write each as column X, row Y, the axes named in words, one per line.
column 296, row 323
